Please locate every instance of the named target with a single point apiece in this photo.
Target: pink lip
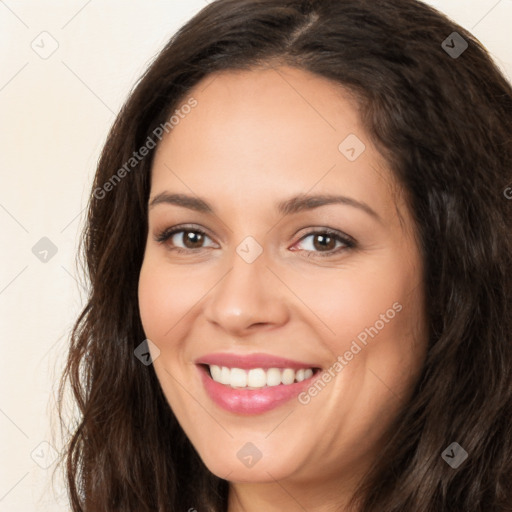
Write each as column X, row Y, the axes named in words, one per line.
column 246, row 362
column 250, row 401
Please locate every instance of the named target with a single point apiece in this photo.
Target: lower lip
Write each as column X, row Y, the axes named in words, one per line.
column 251, row 401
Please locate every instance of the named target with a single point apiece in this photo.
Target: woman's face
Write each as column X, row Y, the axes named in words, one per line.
column 293, row 253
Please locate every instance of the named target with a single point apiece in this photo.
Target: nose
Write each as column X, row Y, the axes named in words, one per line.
column 248, row 298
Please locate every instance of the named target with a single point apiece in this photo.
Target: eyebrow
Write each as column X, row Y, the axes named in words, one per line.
column 289, row 206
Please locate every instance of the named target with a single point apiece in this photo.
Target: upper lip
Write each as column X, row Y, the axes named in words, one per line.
column 248, row 361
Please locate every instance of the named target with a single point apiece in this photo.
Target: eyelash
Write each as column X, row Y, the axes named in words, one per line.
column 347, row 241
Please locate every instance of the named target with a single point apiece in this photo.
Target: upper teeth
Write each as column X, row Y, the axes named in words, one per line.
column 258, row 377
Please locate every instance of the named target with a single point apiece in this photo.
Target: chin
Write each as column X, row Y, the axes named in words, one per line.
column 241, row 468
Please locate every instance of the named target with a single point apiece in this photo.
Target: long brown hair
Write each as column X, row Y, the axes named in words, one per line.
column 443, row 122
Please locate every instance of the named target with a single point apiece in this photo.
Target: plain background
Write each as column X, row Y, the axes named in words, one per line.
column 55, row 112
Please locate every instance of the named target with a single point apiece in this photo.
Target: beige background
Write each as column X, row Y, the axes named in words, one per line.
column 55, row 113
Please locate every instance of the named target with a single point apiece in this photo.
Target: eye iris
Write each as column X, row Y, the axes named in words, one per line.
column 324, row 242
column 192, row 239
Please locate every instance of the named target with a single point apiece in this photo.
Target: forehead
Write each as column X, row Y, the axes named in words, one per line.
column 272, row 132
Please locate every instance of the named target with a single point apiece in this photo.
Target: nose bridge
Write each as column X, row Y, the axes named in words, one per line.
column 245, row 295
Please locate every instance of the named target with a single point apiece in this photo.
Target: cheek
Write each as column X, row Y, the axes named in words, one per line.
column 376, row 322
column 355, row 299
column 166, row 294
column 154, row 301
column 385, row 315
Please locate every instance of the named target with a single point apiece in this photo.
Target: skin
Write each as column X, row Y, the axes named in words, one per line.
column 254, row 139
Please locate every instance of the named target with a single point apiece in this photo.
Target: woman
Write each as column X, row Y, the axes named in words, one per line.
column 299, row 250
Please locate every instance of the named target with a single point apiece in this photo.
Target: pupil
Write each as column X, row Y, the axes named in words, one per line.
column 193, row 239
column 325, row 242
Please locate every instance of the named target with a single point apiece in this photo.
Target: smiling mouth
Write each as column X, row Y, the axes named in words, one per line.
column 257, row 378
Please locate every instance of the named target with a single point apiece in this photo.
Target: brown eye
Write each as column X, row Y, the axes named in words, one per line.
column 192, row 239
column 183, row 239
column 325, row 243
